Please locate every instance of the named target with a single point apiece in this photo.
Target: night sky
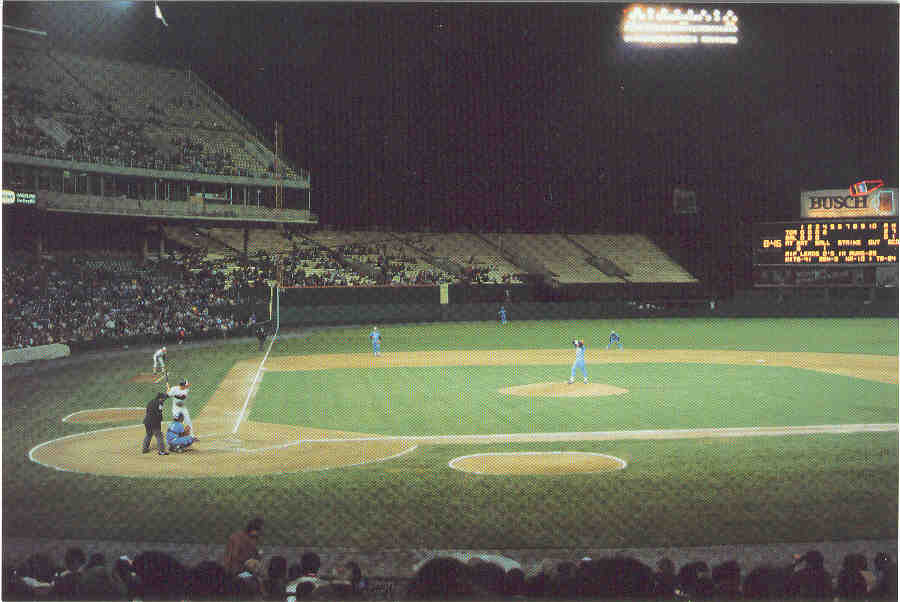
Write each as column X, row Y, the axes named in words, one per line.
column 529, row 114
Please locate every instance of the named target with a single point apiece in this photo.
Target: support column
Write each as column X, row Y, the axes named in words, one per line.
column 162, row 241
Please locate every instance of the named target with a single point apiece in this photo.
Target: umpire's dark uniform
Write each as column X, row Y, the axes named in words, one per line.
column 153, row 424
column 261, row 335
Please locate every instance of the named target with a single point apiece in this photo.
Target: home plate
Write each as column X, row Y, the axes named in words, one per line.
column 576, row 389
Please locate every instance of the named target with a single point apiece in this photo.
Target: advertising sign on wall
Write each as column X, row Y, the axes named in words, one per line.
column 838, row 202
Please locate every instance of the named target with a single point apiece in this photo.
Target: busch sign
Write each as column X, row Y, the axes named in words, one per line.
column 838, row 202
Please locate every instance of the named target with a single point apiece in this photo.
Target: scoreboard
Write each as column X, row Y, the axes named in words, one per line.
column 826, row 242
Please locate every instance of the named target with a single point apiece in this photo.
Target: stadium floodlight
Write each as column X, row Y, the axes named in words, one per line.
column 661, row 26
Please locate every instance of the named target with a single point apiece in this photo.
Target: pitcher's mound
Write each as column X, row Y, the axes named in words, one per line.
column 576, row 389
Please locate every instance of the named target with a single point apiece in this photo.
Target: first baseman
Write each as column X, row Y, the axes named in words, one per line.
column 579, row 361
column 614, row 339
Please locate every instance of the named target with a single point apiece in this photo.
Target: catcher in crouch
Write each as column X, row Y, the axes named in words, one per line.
column 179, row 394
column 179, row 436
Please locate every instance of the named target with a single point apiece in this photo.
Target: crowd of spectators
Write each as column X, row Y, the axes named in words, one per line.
column 155, row 575
column 49, row 303
column 98, row 134
column 487, row 274
column 188, row 294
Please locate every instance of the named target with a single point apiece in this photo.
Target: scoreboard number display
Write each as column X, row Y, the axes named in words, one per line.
column 826, row 242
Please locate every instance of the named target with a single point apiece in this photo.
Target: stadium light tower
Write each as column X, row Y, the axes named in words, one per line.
column 658, row 25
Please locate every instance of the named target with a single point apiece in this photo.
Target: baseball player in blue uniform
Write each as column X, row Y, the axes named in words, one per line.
column 179, row 436
column 376, row 341
column 578, row 364
column 614, row 339
column 502, row 314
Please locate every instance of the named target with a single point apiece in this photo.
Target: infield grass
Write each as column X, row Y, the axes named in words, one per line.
column 465, row 400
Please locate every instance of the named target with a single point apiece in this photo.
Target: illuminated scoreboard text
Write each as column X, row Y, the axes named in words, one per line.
column 826, row 242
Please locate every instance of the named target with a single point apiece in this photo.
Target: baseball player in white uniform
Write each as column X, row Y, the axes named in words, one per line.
column 179, row 394
column 159, row 360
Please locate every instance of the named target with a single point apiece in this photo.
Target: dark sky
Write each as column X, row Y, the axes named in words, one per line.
column 477, row 113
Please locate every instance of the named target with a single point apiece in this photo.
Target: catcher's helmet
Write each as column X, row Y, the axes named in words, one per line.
column 184, row 383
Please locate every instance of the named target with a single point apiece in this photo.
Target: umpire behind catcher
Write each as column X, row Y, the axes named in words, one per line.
column 153, row 424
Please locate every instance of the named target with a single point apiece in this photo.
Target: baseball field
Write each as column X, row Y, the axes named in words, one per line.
column 467, row 435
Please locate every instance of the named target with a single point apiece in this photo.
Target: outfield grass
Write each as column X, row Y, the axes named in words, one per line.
column 833, row 335
column 673, row 493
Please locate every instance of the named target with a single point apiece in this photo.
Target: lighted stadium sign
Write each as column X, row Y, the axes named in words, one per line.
column 21, row 198
column 826, row 242
column 864, row 187
column 664, row 26
column 882, row 202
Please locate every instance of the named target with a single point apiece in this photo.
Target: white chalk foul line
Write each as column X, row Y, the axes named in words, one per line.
column 712, row 432
column 240, row 417
column 98, row 410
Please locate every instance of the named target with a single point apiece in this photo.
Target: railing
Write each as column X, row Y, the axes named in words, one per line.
column 57, row 201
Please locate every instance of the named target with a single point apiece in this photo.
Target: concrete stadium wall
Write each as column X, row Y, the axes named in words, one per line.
column 31, row 354
column 753, row 303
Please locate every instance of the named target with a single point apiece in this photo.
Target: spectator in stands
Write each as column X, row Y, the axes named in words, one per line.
column 160, row 575
column 765, row 581
column 126, row 578
column 242, row 546
column 514, row 582
column 537, row 580
column 726, row 578
column 854, row 580
column 885, row 576
column 665, row 581
column 808, row 577
column 308, row 582
column 615, row 576
column 344, row 584
column 441, row 577
column 97, row 583
column 490, row 577
column 207, row 581
column 37, row 573
column 249, row 583
column 67, row 584
column 694, row 580
column 276, row 581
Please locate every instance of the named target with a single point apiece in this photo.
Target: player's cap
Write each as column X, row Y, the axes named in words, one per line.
column 185, row 383
column 164, row 348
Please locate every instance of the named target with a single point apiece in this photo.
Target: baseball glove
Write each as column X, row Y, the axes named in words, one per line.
column 187, row 430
